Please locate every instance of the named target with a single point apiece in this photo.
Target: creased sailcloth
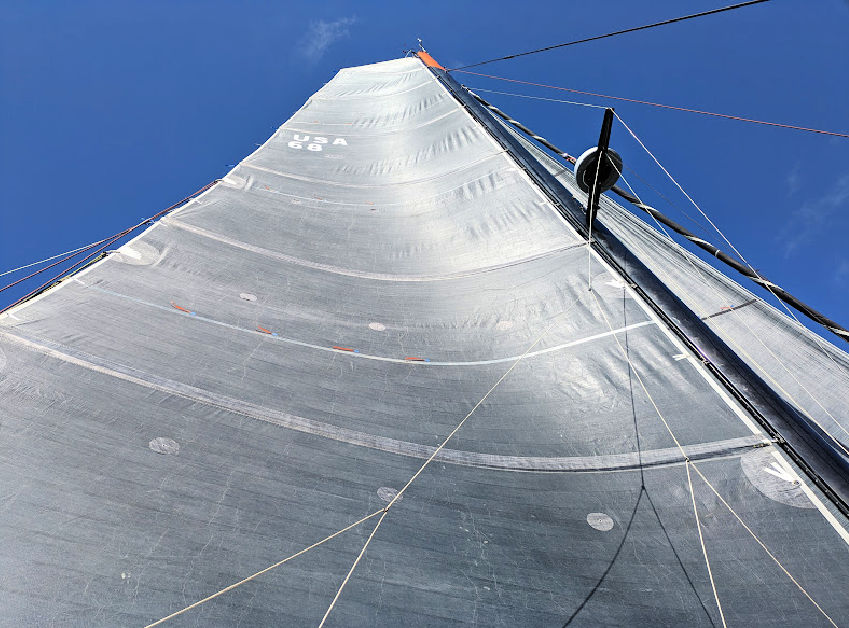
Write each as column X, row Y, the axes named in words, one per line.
column 271, row 362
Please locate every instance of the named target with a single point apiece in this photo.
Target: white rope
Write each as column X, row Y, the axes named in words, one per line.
column 433, row 455
column 702, row 544
column 683, row 454
column 689, row 463
column 262, row 571
column 740, row 318
column 768, row 285
column 82, row 248
column 765, row 548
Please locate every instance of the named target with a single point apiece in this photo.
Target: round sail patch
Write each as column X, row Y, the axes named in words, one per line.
column 600, row 521
column 137, row 253
column 387, row 494
column 164, row 446
column 773, row 479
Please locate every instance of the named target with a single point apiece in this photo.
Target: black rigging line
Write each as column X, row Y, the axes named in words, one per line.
column 730, row 7
column 703, row 244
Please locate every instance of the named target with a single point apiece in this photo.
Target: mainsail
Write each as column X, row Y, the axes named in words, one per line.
column 389, row 295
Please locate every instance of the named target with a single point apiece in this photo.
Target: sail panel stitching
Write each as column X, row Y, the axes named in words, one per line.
column 524, row 464
column 363, row 274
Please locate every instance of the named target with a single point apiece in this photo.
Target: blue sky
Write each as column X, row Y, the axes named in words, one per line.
column 112, row 111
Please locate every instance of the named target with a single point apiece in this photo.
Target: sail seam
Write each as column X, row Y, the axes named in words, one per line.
column 366, row 356
column 361, row 136
column 619, row 462
column 441, row 446
column 645, row 302
column 444, row 175
column 348, row 97
column 508, row 169
column 672, row 328
column 823, row 511
column 337, row 270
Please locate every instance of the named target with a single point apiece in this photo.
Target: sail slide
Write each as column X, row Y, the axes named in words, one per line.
column 275, row 360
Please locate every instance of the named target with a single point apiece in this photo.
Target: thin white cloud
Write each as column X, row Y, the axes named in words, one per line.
column 841, row 275
column 815, row 216
column 321, row 35
column 793, row 180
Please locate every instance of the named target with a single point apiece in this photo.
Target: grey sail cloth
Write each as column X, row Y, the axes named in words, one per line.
column 266, row 365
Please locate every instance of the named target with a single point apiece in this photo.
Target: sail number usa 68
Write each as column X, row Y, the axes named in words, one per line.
column 315, row 144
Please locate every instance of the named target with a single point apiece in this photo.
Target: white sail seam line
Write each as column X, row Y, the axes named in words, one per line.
column 741, row 318
column 419, row 199
column 399, row 129
column 827, row 515
column 604, row 463
column 443, row 175
column 832, row 521
column 683, row 454
column 679, row 346
column 522, row 173
column 738, row 411
column 700, row 368
column 363, row 274
column 366, row 356
column 343, row 98
column 105, row 259
column 365, row 96
column 649, row 312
